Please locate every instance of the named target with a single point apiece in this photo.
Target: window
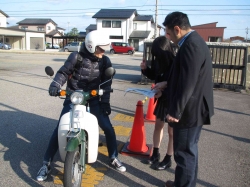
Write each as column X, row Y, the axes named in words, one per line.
column 135, row 26
column 106, row 24
column 74, row 44
column 214, row 39
column 40, row 28
column 116, row 24
column 115, row 37
column 24, row 27
column 48, row 27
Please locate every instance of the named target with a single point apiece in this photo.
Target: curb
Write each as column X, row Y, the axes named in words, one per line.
column 35, row 52
column 50, row 52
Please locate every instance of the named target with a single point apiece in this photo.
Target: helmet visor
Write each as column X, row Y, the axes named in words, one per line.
column 105, row 47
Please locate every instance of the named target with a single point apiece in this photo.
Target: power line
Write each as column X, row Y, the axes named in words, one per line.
column 201, row 5
column 22, row 2
column 207, row 9
column 53, row 12
column 126, row 6
column 83, row 15
column 137, row 10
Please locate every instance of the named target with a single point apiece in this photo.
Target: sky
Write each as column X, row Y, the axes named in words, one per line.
column 67, row 14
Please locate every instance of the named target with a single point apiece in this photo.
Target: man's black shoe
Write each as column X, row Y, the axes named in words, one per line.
column 153, row 159
column 165, row 163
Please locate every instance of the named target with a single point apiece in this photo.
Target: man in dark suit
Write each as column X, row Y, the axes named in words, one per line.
column 190, row 96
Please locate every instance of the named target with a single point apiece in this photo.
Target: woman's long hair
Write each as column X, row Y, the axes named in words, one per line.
column 162, row 53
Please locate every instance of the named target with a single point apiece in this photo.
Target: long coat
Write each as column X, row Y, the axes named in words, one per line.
column 190, row 86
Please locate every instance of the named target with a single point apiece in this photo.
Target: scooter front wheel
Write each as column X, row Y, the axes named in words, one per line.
column 72, row 175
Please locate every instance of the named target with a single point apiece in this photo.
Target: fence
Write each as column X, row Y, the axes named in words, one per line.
column 147, row 57
column 230, row 67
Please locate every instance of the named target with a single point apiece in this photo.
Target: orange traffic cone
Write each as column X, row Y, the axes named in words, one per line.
column 137, row 145
column 150, row 113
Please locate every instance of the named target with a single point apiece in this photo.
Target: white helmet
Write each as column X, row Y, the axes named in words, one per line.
column 96, row 38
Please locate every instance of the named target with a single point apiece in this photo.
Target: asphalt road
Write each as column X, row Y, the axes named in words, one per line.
column 28, row 116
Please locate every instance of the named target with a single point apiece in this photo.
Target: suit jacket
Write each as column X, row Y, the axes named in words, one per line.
column 190, row 86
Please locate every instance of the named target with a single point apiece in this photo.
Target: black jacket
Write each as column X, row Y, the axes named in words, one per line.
column 153, row 73
column 190, row 87
column 85, row 72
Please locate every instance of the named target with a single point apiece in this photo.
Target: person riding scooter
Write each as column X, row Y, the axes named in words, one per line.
column 84, row 70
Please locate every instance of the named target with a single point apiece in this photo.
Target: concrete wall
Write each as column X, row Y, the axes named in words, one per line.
column 28, row 41
column 248, row 60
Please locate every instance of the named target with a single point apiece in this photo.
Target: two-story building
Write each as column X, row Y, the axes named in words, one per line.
column 126, row 25
column 46, row 25
column 210, row 32
column 19, row 38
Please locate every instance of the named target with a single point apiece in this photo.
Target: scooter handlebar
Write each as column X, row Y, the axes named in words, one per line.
column 64, row 92
column 110, row 90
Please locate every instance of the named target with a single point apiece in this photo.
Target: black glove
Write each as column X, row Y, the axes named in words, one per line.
column 105, row 108
column 53, row 91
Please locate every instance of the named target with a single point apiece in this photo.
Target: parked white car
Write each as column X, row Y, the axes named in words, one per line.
column 49, row 46
column 4, row 46
column 55, row 46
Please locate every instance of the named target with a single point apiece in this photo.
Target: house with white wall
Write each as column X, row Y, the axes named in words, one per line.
column 3, row 21
column 126, row 25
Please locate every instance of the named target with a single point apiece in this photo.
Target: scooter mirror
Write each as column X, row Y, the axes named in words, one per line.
column 49, row 71
column 110, row 72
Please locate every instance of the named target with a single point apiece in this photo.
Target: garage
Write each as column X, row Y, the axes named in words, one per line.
column 23, row 39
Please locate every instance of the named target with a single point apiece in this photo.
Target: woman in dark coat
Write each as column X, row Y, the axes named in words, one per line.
column 162, row 58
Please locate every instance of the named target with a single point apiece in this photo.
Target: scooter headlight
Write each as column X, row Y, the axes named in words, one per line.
column 76, row 98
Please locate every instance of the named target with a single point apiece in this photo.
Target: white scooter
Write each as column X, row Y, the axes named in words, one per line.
column 78, row 132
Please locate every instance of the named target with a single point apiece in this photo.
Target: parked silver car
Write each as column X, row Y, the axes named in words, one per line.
column 49, row 46
column 73, row 46
column 4, row 46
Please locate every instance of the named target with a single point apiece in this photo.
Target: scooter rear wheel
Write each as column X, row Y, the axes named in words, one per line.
column 72, row 175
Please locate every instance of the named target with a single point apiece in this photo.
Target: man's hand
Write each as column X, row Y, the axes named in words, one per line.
column 143, row 65
column 160, row 86
column 171, row 119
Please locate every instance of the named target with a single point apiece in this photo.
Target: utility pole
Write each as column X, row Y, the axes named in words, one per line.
column 68, row 27
column 246, row 33
column 156, row 17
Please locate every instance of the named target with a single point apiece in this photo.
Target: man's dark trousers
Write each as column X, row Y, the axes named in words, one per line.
column 186, row 155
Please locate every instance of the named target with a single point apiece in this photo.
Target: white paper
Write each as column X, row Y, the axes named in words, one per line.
column 144, row 91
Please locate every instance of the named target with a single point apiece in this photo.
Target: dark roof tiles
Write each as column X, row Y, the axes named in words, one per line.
column 115, row 13
column 144, row 18
column 53, row 32
column 139, row 34
column 91, row 27
column 6, row 15
column 36, row 21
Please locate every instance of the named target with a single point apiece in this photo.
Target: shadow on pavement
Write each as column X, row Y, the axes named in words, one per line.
column 25, row 138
